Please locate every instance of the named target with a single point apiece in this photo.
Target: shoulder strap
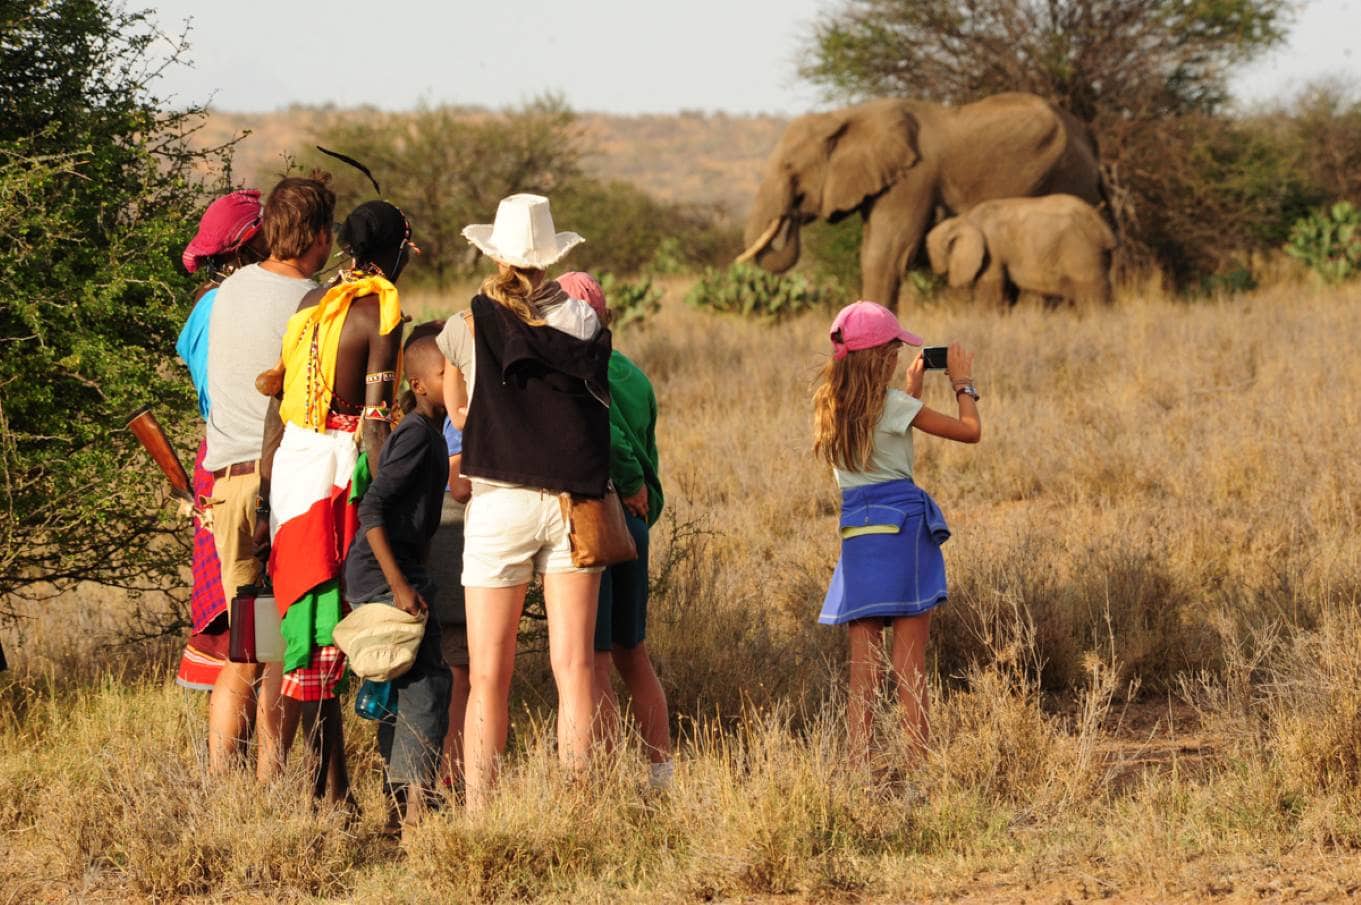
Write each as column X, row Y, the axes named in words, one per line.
column 467, row 315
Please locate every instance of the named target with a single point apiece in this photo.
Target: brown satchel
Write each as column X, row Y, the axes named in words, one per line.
column 597, row 529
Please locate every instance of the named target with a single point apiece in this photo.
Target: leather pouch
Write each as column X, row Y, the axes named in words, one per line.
column 598, row 531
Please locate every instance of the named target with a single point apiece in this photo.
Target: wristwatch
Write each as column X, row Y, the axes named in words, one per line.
column 969, row 390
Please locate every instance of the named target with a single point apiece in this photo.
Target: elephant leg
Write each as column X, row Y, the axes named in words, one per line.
column 893, row 231
column 990, row 289
column 993, row 288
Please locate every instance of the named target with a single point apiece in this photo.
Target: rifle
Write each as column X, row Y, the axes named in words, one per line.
column 148, row 432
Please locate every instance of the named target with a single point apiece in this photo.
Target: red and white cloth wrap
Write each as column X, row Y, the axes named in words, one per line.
column 317, row 680
column 311, row 522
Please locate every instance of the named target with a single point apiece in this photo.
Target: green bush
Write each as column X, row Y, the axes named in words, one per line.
column 832, row 252
column 630, row 303
column 629, row 231
column 1329, row 241
column 98, row 194
column 752, row 292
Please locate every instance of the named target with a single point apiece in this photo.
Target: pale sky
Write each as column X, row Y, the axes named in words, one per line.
column 617, row 56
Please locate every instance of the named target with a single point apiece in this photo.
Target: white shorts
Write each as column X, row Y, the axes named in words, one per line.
column 510, row 533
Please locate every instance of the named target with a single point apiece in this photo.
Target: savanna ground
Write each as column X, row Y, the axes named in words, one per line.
column 1147, row 680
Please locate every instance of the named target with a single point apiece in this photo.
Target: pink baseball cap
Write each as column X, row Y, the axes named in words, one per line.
column 229, row 222
column 585, row 287
column 864, row 325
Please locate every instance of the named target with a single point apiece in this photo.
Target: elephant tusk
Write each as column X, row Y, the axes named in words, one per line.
column 761, row 242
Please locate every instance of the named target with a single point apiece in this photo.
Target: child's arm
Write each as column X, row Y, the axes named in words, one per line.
column 968, row 427
column 460, row 488
column 404, row 596
column 402, row 457
column 456, row 396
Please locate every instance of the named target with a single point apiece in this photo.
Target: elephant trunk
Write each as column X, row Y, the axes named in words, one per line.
column 936, row 248
column 771, row 236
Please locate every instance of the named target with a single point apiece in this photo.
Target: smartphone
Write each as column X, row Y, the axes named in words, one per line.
column 934, row 357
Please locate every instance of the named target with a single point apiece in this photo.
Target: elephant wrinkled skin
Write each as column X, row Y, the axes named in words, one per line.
column 1055, row 246
column 895, row 161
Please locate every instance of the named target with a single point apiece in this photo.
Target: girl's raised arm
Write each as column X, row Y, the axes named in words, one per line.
column 968, row 427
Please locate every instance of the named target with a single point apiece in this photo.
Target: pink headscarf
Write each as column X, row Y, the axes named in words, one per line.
column 585, row 287
column 229, row 222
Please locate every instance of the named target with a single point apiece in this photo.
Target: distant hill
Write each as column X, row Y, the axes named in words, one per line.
column 707, row 158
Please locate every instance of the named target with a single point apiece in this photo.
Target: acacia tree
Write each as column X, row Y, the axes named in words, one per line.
column 448, row 167
column 1100, row 59
column 1132, row 69
column 98, row 193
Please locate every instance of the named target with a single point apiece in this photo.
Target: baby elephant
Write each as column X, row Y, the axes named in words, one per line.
column 1055, row 246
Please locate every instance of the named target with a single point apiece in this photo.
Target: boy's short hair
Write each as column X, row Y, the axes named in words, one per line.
column 296, row 212
column 422, row 354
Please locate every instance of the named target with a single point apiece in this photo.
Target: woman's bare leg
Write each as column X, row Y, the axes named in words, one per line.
column 866, row 651
column 570, row 598
column 493, row 621
column 909, row 667
column 649, row 700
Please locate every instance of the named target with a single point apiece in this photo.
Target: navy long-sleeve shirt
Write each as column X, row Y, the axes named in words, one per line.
column 405, row 499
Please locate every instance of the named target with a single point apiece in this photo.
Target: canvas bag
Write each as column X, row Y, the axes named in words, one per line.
column 380, row 640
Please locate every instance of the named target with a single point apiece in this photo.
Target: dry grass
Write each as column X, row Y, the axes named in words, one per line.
column 1166, row 496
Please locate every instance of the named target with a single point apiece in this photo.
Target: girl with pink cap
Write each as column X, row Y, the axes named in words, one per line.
column 891, row 571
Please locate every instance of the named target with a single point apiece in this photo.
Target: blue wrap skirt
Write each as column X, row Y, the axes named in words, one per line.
column 891, row 565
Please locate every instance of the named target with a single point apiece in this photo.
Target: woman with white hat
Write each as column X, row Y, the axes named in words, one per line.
column 535, row 426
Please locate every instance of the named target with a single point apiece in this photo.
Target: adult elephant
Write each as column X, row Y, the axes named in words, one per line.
column 895, row 161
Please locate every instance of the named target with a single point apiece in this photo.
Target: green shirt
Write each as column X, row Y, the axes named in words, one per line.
column 892, row 457
column 633, row 434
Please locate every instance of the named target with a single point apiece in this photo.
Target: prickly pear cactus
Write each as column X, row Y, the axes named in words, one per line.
column 753, row 292
column 1329, row 241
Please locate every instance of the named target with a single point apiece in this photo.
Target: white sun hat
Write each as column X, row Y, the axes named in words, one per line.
column 523, row 234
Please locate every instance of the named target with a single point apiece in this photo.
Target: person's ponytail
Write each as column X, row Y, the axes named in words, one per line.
column 512, row 288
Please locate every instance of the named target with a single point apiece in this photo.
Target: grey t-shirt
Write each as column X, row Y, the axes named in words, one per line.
column 892, row 458
column 245, row 337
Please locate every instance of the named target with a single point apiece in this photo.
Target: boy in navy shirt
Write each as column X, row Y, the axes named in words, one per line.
column 398, row 516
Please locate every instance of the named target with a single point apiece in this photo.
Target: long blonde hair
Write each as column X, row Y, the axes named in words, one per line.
column 848, row 403
column 513, row 287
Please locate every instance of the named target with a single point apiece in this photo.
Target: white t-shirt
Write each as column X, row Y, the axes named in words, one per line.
column 892, row 457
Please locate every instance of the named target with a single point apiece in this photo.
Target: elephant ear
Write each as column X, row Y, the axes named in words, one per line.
column 967, row 248
column 868, row 148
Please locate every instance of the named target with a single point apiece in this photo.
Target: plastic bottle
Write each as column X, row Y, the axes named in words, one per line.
column 376, row 701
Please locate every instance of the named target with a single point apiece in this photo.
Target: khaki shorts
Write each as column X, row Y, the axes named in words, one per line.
column 234, row 500
column 511, row 533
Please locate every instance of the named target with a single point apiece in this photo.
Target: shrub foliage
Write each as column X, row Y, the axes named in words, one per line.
column 97, row 196
column 753, row 292
column 449, row 166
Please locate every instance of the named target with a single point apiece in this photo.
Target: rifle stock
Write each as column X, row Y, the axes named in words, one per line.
column 148, row 432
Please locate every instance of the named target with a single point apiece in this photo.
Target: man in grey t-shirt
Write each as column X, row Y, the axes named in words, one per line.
column 245, row 337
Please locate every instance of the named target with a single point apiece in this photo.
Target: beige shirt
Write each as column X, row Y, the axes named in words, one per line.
column 571, row 316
